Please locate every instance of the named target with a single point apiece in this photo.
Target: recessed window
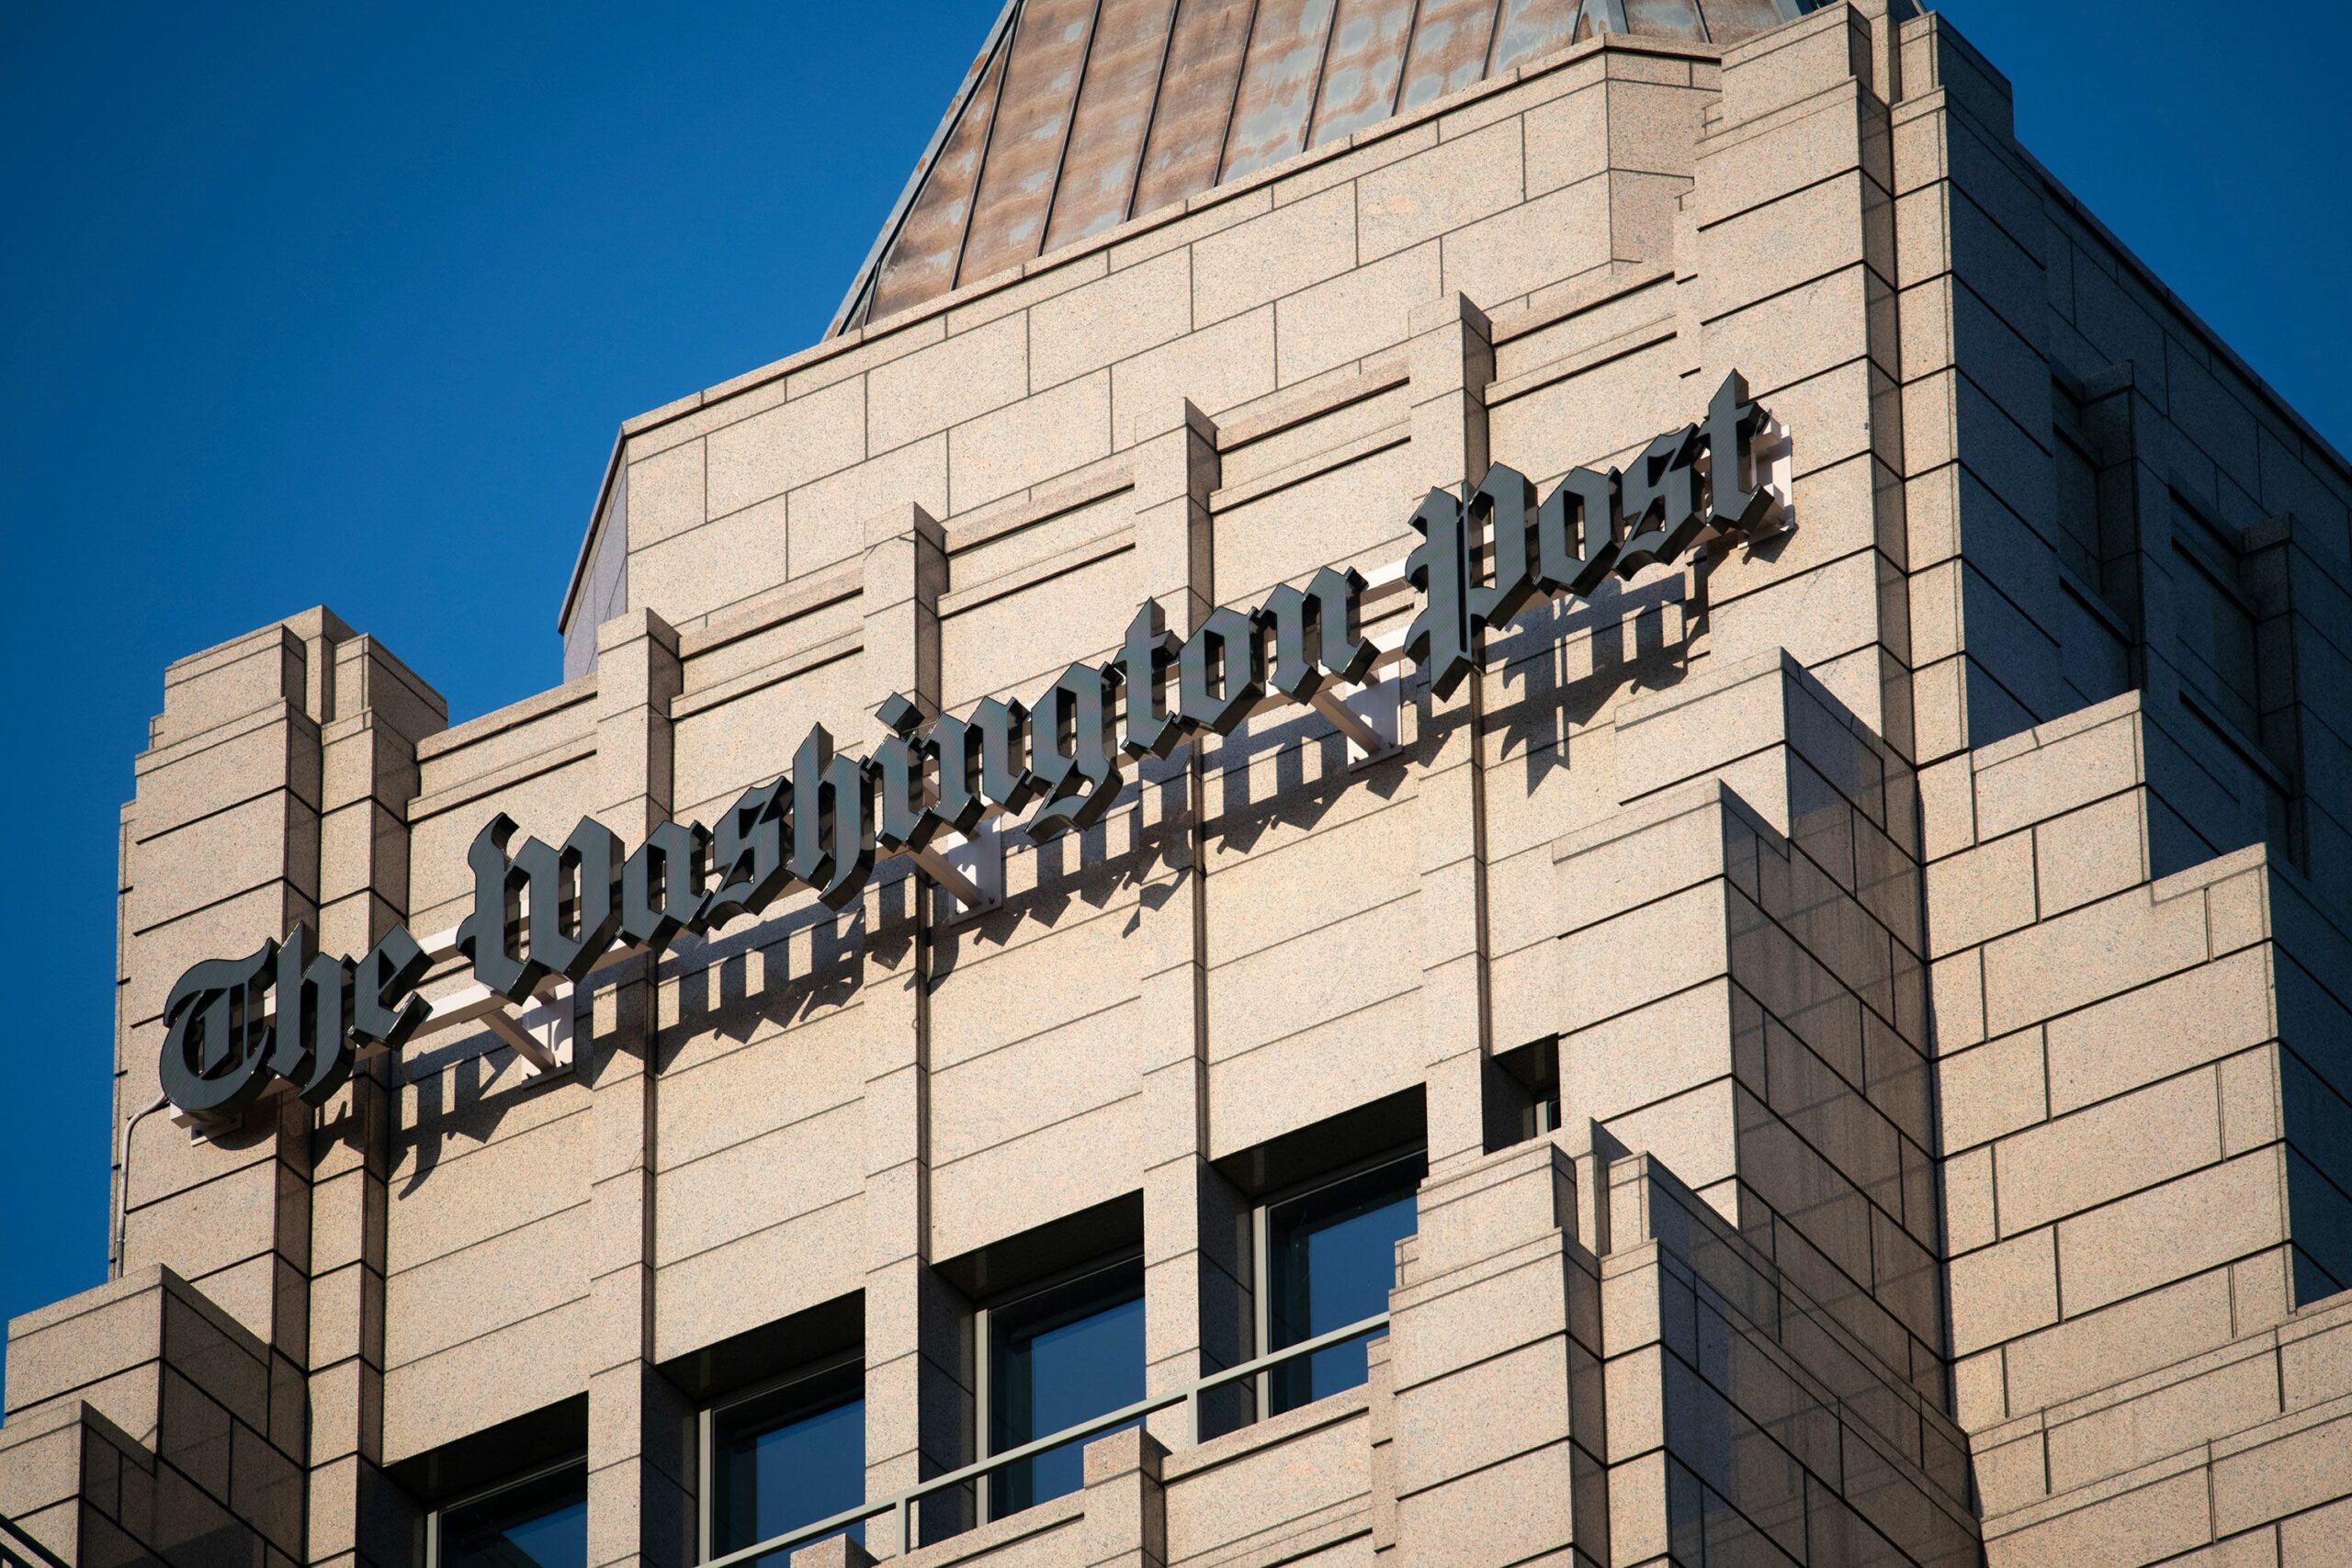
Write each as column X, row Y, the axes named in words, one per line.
column 1057, row 1356
column 538, row 1521
column 2219, row 649
column 782, row 1457
column 1329, row 1256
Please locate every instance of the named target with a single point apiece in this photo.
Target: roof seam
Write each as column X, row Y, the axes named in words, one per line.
column 869, row 274
column 1240, row 74
column 1151, row 114
column 1069, row 124
column 988, row 139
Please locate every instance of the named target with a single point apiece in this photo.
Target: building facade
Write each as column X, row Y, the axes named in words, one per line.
column 1761, row 995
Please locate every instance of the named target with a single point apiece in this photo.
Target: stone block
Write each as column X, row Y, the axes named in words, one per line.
column 1292, row 247
column 2077, row 958
column 1354, row 315
column 2284, row 1468
column 1216, row 368
column 2170, row 1231
column 759, row 1183
column 1518, row 250
column 1992, row 1089
column 1750, row 258
column 2115, row 1147
column 1980, row 893
column 968, row 375
column 2315, row 1366
column 2320, row 1538
column 1492, row 1515
column 2069, row 763
column 2155, row 1423
column 518, row 1279
column 1255, row 1488
column 826, row 517
column 1419, row 197
column 2004, row 1290
column 72, row 1343
column 1133, row 309
column 1023, row 442
column 2091, row 854
column 782, row 448
column 1483, row 1414
column 2140, row 1525
column 1568, row 139
column 2210, row 1011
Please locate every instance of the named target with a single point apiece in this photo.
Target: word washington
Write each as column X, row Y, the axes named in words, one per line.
column 542, row 911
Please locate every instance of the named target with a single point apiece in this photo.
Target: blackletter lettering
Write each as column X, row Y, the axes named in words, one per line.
column 310, row 1045
column 905, row 816
column 385, row 1008
column 1145, row 661
column 1221, row 672
column 832, row 848
column 1661, row 497
column 1318, row 634
column 569, row 920
column 547, row 910
column 215, row 1044
column 1504, row 506
column 1736, row 502
column 662, row 885
column 983, row 760
column 1576, row 531
column 1074, row 752
column 748, row 865
column 1442, row 640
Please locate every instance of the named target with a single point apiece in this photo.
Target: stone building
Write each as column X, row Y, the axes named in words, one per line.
column 1820, row 1048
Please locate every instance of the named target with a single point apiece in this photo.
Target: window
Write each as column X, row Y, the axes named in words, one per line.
column 1329, row 1258
column 2079, row 545
column 1056, row 1357
column 2218, row 642
column 538, row 1521
column 783, row 1456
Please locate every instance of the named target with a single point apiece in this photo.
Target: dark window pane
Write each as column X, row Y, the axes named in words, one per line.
column 1059, row 1358
column 539, row 1524
column 2078, row 528
column 785, row 1459
column 1331, row 1257
column 2218, row 636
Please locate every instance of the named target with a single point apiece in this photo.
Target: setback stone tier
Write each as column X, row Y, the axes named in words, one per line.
column 1468, row 783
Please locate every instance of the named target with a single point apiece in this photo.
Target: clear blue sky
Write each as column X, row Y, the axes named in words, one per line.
column 342, row 304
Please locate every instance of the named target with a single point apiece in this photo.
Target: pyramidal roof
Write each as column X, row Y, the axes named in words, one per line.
column 1079, row 115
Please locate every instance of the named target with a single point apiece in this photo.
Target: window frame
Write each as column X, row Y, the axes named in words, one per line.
column 707, row 1429
column 985, row 1328
column 432, row 1517
column 1261, row 1261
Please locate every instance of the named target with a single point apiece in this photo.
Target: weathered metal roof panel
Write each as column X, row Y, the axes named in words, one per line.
column 1361, row 74
column 1085, row 113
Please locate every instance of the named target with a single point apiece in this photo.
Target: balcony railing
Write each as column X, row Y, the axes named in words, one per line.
column 901, row 1504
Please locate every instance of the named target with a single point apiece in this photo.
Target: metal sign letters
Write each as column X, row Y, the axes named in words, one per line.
column 544, row 913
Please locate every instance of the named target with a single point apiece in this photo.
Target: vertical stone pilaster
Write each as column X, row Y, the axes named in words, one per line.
column 1127, row 1503
column 640, row 1471
column 918, row 1385
column 381, row 710
column 1488, row 1372
column 1452, row 358
column 1195, row 1278
column 222, row 853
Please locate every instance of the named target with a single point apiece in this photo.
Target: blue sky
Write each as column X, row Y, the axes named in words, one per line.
column 342, row 303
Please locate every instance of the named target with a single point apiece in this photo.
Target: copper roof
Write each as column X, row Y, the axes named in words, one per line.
column 1080, row 114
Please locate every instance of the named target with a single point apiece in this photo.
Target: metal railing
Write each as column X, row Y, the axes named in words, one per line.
column 901, row 1504
column 19, row 1550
